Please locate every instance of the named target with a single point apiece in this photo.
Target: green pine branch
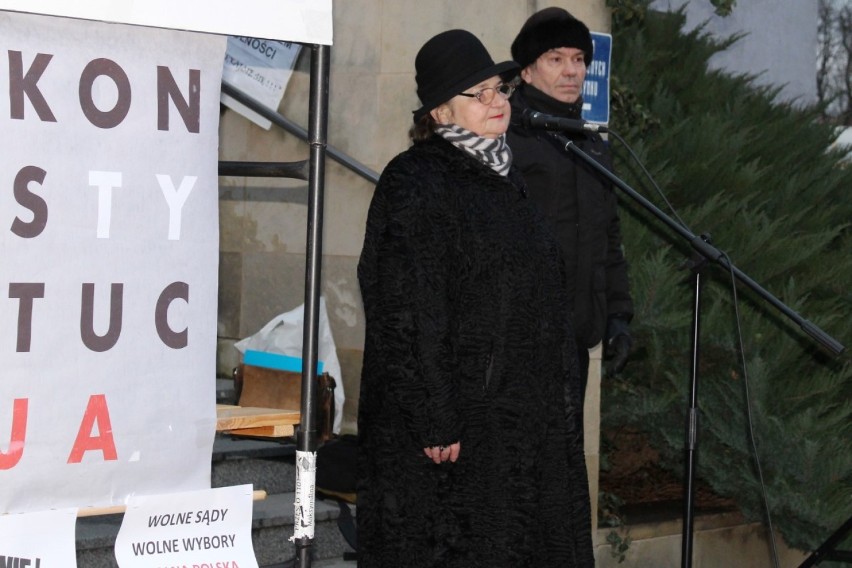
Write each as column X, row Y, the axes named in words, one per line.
column 759, row 177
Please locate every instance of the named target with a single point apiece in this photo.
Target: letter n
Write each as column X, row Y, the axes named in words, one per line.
column 167, row 89
column 96, row 412
column 10, row 459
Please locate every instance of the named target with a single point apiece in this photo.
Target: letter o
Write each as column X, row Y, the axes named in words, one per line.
column 94, row 69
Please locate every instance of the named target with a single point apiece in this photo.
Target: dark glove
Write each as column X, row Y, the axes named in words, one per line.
column 617, row 346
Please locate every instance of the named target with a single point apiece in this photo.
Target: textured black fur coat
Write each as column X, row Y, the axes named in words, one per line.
column 468, row 339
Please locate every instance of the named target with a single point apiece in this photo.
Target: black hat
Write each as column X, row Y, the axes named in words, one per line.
column 449, row 63
column 548, row 29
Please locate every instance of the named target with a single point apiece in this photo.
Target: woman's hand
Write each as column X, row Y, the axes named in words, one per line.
column 439, row 454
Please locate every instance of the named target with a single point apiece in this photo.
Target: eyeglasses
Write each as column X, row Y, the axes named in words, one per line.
column 486, row 95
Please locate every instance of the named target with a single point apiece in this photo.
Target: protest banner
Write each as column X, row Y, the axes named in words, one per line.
column 109, row 235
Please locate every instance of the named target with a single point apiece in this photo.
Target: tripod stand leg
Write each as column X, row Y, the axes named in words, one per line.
column 691, row 443
column 826, row 550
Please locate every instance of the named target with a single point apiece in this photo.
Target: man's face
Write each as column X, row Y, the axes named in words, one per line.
column 559, row 73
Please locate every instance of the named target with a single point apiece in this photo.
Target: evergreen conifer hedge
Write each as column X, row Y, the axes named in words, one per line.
column 759, row 178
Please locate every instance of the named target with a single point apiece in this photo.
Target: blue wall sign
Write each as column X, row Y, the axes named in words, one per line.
column 596, row 86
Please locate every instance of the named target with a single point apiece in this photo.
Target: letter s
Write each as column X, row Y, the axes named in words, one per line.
column 30, row 200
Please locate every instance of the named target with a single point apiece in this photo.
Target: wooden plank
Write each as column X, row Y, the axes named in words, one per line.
column 277, row 431
column 256, row 495
column 238, row 417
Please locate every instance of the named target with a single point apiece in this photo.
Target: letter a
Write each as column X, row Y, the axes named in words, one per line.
column 10, row 459
column 96, row 411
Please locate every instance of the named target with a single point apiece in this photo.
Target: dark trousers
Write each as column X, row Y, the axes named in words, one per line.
column 583, row 359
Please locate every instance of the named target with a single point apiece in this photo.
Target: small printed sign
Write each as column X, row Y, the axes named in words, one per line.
column 198, row 529
column 306, row 475
column 261, row 69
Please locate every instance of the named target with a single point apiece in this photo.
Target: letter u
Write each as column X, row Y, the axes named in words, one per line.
column 90, row 339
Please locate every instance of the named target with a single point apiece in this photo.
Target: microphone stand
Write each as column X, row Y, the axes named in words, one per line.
column 703, row 251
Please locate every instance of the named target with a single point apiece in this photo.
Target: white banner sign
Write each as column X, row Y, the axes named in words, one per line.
column 109, row 240
column 305, row 21
column 38, row 540
column 200, row 529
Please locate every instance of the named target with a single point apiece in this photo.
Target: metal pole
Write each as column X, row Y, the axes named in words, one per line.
column 306, row 440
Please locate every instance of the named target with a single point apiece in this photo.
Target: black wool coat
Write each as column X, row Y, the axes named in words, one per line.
column 467, row 339
column 581, row 208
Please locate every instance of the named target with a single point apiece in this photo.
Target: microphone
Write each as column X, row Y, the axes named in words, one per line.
column 533, row 119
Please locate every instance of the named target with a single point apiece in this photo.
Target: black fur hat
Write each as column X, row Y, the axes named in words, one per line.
column 548, row 29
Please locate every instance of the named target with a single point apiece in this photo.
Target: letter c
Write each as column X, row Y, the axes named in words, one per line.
column 173, row 339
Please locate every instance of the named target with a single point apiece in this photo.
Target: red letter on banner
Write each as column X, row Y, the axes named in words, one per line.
column 19, row 433
column 96, row 411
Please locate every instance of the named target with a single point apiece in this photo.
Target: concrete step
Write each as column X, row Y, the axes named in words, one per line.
column 267, row 465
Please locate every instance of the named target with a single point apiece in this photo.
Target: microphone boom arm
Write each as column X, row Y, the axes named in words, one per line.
column 708, row 251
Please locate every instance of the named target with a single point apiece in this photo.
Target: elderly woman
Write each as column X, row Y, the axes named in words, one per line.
column 470, row 442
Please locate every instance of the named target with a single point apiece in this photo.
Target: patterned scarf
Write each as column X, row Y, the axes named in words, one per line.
column 494, row 153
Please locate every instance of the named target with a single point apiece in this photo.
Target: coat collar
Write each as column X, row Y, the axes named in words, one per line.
column 452, row 158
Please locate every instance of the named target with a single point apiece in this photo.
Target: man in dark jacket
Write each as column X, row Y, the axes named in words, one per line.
column 554, row 49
